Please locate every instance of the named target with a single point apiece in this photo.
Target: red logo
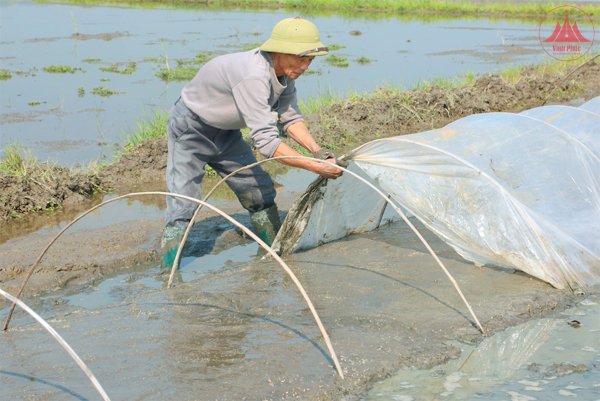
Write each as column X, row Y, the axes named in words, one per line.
column 566, row 42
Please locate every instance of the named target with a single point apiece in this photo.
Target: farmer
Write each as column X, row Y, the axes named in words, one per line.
column 229, row 93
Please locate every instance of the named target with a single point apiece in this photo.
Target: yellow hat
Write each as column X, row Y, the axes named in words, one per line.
column 295, row 36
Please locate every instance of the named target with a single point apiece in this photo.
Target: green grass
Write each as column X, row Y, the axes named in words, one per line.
column 91, row 60
column 34, row 103
column 148, row 127
column 16, row 159
column 104, row 92
column 61, row 69
column 335, row 47
column 160, row 59
column 364, row 60
column 337, row 61
column 312, row 7
column 4, row 75
column 81, row 91
column 185, row 73
column 312, row 72
column 249, row 46
column 130, row 69
column 104, row 79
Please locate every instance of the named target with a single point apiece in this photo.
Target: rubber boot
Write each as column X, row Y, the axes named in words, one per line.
column 266, row 224
column 169, row 245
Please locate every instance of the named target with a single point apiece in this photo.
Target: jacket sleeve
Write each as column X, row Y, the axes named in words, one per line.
column 288, row 110
column 251, row 97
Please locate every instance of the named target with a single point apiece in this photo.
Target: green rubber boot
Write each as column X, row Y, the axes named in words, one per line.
column 169, row 245
column 266, row 224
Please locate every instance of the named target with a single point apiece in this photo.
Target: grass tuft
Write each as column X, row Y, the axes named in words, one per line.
column 130, row 69
column 91, row 60
column 34, row 103
column 337, row 61
column 16, row 159
column 182, row 73
column 104, row 92
column 61, row 69
column 4, row 75
column 363, row 60
column 148, row 127
column 335, row 47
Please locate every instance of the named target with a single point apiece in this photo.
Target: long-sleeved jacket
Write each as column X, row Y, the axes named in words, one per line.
column 240, row 90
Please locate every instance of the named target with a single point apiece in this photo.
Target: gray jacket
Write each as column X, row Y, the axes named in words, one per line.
column 239, row 90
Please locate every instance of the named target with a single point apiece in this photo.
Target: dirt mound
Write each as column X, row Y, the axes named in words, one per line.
column 147, row 162
column 52, row 187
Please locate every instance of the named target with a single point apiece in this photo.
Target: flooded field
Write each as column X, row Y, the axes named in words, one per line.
column 545, row 359
column 62, row 117
column 234, row 326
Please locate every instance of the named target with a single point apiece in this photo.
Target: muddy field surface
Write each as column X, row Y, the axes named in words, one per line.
column 241, row 330
column 343, row 127
column 84, row 256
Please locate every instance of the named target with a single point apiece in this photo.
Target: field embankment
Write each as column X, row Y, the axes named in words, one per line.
column 27, row 186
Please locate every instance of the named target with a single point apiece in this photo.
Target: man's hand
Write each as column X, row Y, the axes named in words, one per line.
column 323, row 169
column 325, row 154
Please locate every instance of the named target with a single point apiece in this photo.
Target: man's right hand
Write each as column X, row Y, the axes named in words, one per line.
column 328, row 171
column 322, row 169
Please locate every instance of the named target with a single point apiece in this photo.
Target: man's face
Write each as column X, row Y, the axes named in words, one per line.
column 294, row 66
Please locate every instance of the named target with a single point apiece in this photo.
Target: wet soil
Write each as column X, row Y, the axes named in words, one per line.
column 341, row 127
column 242, row 330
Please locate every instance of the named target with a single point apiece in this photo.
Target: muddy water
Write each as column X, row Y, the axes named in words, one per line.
column 234, row 326
column 71, row 129
column 538, row 360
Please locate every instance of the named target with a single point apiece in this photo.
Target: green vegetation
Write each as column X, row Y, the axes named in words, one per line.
column 34, row 103
column 91, row 60
column 249, row 46
column 337, row 61
column 148, row 127
column 81, row 91
column 130, row 69
column 4, row 75
column 155, row 59
column 186, row 68
column 178, row 74
column 104, row 92
column 336, row 47
column 104, row 79
column 16, row 159
column 312, row 72
column 61, row 69
column 312, row 7
column 364, row 60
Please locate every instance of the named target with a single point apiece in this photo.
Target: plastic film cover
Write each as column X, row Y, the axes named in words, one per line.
column 520, row 191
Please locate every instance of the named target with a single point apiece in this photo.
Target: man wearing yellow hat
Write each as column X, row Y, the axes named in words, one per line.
column 229, row 93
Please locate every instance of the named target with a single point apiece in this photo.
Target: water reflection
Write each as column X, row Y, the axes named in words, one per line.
column 498, row 366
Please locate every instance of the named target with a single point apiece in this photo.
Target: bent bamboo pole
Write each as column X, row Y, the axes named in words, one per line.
column 58, row 338
column 386, row 198
column 215, row 209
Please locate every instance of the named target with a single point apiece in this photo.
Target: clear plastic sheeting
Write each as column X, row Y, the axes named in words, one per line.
column 520, row 191
column 329, row 210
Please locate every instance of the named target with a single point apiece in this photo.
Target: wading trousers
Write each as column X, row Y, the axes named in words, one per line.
column 194, row 144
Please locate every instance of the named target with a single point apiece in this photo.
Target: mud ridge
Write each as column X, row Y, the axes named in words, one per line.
column 342, row 127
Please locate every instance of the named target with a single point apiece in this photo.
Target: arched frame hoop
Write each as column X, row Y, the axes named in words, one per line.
column 58, row 338
column 225, row 215
column 386, row 198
